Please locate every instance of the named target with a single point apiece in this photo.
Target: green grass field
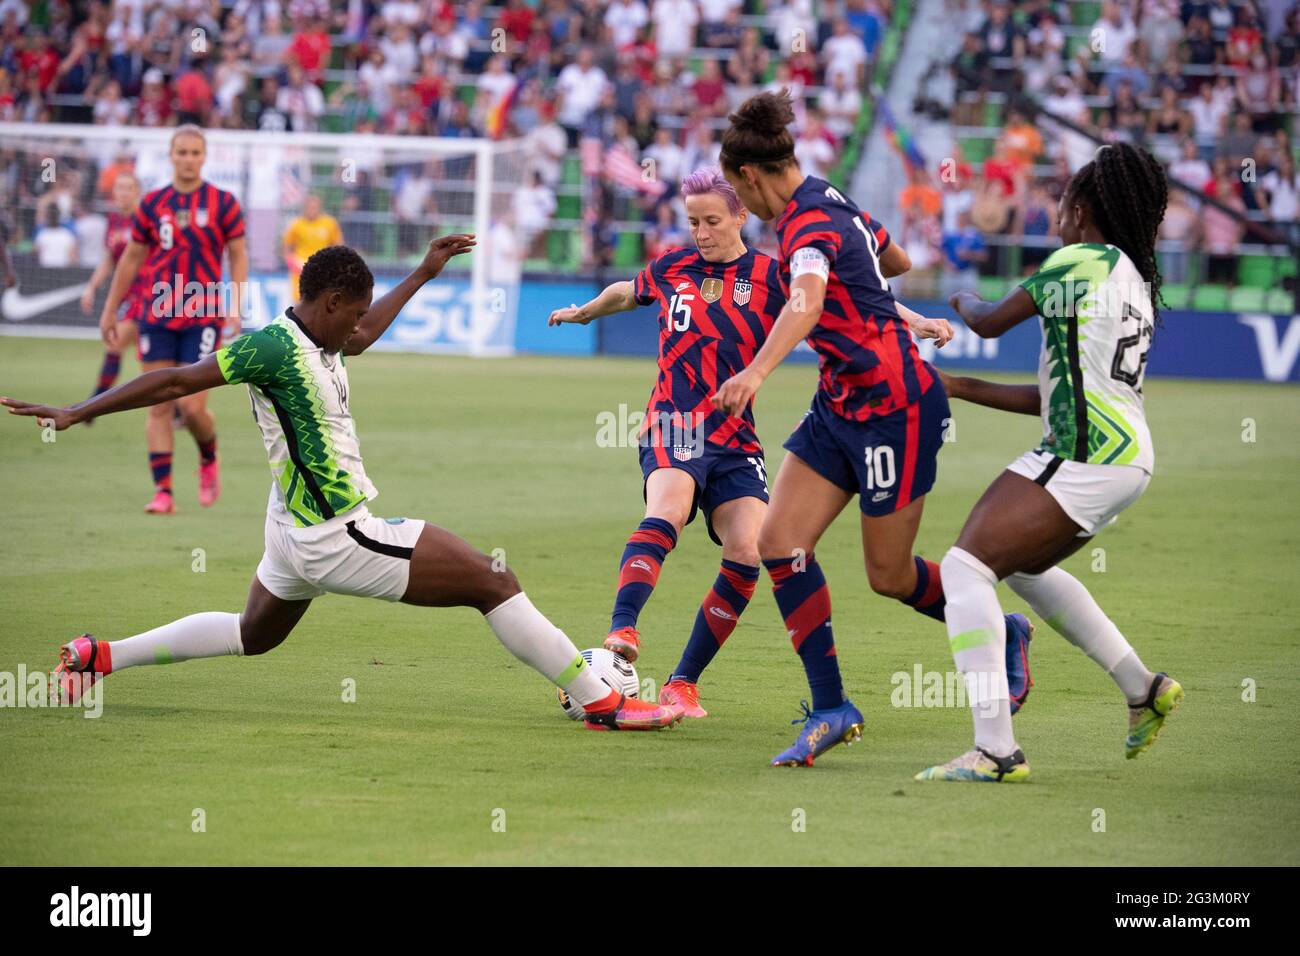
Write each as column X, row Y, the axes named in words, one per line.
column 448, row 728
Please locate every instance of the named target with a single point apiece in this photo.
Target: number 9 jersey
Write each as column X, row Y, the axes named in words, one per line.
column 187, row 235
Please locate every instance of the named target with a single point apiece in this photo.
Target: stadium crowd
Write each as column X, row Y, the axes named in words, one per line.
column 646, row 80
column 1210, row 86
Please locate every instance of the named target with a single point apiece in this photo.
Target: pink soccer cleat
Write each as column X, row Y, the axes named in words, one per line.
column 633, row 714
column 209, row 483
column 162, row 504
column 683, row 695
column 82, row 662
column 625, row 642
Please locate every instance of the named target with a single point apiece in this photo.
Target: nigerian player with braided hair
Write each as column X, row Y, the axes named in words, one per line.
column 1096, row 299
column 320, row 537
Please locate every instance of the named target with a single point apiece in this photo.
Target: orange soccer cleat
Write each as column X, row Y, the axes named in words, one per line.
column 82, row 662
column 684, row 695
column 162, row 504
column 633, row 714
column 625, row 642
column 209, row 483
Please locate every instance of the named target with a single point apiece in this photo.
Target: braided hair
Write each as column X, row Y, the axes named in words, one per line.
column 1125, row 189
column 758, row 134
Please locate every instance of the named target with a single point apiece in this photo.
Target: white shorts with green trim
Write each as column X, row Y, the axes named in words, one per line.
column 356, row 554
column 1091, row 495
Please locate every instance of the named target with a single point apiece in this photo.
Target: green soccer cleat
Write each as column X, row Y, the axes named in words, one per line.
column 1146, row 720
column 980, row 766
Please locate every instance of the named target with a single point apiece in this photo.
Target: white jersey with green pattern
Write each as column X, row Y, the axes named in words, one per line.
column 300, row 401
column 1096, row 317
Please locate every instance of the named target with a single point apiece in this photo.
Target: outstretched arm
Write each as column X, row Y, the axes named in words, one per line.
column 128, row 267
column 988, row 320
column 925, row 328
column 381, row 314
column 615, row 297
column 1023, row 399
column 161, row 385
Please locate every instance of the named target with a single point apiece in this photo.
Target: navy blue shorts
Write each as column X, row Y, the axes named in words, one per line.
column 182, row 346
column 888, row 461
column 721, row 475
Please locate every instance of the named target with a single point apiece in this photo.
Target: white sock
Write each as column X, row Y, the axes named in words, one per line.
column 1062, row 601
column 210, row 634
column 541, row 645
column 977, row 632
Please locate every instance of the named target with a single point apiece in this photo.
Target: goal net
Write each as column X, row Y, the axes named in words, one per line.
column 390, row 195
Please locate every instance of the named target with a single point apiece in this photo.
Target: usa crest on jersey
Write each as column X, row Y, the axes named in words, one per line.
column 683, row 452
column 741, row 291
column 201, row 217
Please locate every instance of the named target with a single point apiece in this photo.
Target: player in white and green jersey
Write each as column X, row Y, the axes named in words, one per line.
column 1095, row 299
column 320, row 535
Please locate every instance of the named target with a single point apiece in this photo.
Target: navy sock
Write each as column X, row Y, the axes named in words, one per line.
column 638, row 570
column 108, row 371
column 717, row 618
column 805, row 604
column 160, row 465
column 928, row 596
column 207, row 450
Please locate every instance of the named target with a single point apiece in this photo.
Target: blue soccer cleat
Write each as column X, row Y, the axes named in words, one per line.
column 822, row 730
column 1019, row 633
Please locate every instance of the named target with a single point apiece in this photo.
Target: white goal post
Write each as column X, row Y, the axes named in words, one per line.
column 391, row 195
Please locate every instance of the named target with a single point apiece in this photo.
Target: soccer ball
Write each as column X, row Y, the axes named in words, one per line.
column 614, row 669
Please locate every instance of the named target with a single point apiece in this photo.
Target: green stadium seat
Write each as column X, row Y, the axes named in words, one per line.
column 627, row 254
column 1084, row 14
column 1177, row 296
column 1286, row 266
column 1247, row 299
column 975, row 149
column 557, row 243
column 1280, row 302
column 1257, row 271
column 1210, row 298
column 993, row 288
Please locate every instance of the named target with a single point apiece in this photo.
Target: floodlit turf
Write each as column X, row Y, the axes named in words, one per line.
column 448, row 730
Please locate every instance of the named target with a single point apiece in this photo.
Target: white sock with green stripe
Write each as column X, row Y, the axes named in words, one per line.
column 977, row 633
column 210, row 634
column 1062, row 601
column 541, row 645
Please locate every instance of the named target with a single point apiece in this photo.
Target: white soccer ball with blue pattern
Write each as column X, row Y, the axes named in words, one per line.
column 614, row 669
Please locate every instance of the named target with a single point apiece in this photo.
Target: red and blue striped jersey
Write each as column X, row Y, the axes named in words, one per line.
column 869, row 363
column 186, row 234
column 116, row 238
column 713, row 319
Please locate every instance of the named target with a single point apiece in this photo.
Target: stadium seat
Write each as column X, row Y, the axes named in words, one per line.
column 1247, row 299
column 1281, row 302
column 993, row 288
column 1210, row 298
column 1176, row 296
column 627, row 254
column 1257, row 271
